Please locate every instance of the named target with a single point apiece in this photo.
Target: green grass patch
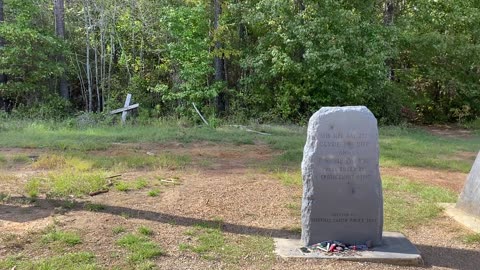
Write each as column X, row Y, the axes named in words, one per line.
column 69, row 182
column 4, row 197
column 145, row 230
column 289, row 178
column 68, row 204
column 210, row 243
column 62, row 136
column 146, row 265
column 21, row 159
column 3, row 160
column 418, row 148
column 141, row 183
column 154, row 192
column 13, row 160
column 249, row 249
column 472, row 238
column 294, row 208
column 70, row 261
column 94, row 207
column 57, row 161
column 61, row 237
column 32, row 187
column 399, row 146
column 122, row 186
column 118, row 230
column 66, row 183
column 408, row 204
column 140, row 247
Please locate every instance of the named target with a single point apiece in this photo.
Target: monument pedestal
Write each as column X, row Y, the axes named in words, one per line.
column 468, row 220
column 395, row 249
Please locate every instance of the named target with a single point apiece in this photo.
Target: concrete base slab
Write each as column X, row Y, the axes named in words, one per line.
column 469, row 221
column 395, row 249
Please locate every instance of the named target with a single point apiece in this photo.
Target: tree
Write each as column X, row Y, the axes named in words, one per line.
column 59, row 11
column 3, row 77
column 267, row 59
column 388, row 20
column 219, row 60
column 28, row 58
column 438, row 64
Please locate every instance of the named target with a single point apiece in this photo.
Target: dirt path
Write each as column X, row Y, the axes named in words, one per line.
column 449, row 131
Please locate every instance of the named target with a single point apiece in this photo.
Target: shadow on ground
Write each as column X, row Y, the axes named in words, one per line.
column 20, row 209
column 448, row 257
column 42, row 208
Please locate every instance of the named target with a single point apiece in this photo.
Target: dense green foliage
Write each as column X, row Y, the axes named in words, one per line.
column 283, row 59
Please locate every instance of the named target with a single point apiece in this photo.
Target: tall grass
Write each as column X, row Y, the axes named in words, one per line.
column 399, row 146
column 65, row 183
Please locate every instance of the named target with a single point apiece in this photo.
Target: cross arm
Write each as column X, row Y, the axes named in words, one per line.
column 128, row 108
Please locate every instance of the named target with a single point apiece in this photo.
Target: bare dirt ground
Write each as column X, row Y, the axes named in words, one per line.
column 449, row 131
column 248, row 201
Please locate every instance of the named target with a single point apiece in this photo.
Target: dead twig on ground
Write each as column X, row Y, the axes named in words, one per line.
column 250, row 130
column 98, row 192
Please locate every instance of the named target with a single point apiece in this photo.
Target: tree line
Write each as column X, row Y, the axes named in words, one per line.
column 272, row 60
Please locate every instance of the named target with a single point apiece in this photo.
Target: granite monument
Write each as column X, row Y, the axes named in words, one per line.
column 342, row 190
column 469, row 200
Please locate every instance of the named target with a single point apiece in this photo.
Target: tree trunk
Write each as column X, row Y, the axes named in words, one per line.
column 389, row 12
column 300, row 5
column 300, row 51
column 5, row 102
column 388, row 20
column 219, row 62
column 87, row 51
column 59, row 11
column 3, row 77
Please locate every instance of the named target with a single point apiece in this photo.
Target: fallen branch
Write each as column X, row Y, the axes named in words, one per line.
column 113, row 176
column 167, row 181
column 201, row 116
column 98, row 192
column 250, row 130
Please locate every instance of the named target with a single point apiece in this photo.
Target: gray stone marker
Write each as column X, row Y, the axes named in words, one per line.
column 467, row 209
column 469, row 200
column 342, row 190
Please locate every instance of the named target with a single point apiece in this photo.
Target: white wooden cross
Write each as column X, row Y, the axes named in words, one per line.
column 127, row 107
